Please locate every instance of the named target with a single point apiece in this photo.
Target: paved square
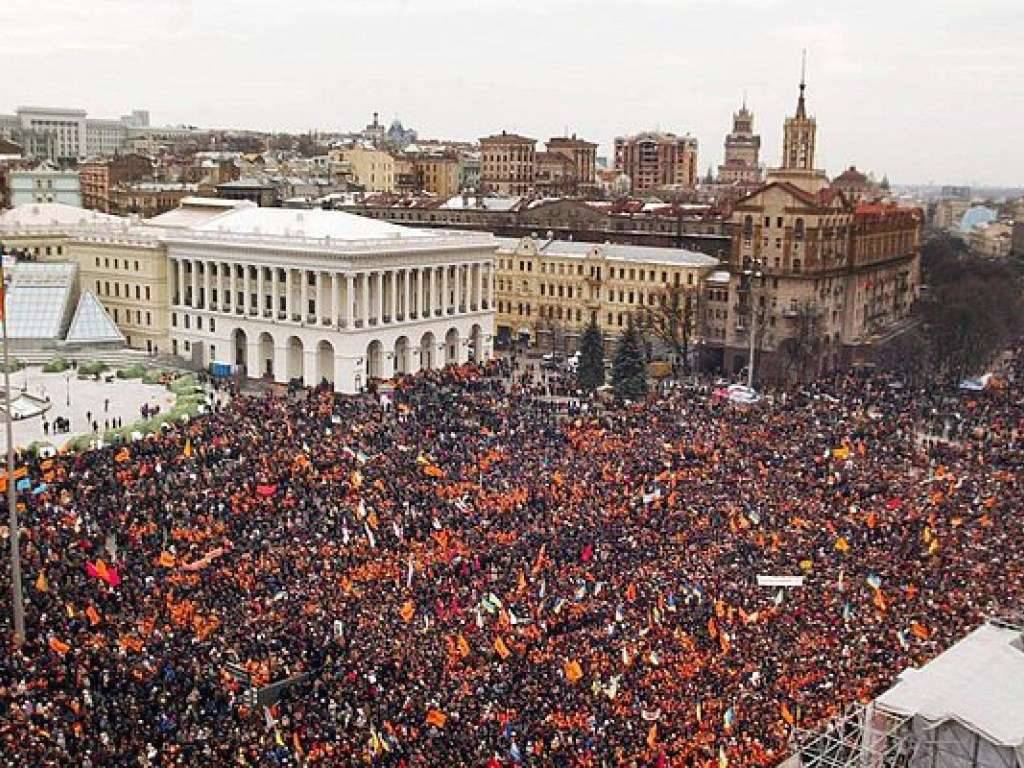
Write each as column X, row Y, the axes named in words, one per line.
column 125, row 396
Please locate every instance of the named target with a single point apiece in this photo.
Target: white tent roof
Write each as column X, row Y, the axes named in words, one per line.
column 91, row 323
column 979, row 682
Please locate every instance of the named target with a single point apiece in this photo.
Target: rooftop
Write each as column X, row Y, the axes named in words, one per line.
column 52, row 214
column 977, row 682
column 315, row 223
column 676, row 257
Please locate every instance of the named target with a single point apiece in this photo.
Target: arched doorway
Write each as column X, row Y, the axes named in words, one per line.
column 295, row 359
column 401, row 355
column 266, row 355
column 476, row 339
column 451, row 347
column 241, row 344
column 427, row 351
column 374, row 360
column 325, row 362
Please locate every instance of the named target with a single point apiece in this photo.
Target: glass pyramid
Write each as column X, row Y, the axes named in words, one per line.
column 39, row 300
column 91, row 323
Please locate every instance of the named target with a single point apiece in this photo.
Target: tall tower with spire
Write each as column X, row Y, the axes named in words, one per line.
column 742, row 147
column 798, row 145
column 799, row 132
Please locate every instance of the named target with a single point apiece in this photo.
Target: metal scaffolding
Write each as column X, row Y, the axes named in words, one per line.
column 863, row 737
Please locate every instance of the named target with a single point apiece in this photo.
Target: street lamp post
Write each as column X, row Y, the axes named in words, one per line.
column 752, row 274
column 17, row 598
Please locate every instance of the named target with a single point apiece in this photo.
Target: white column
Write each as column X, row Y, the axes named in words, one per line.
column 394, row 295
column 490, row 286
column 181, row 281
column 380, row 298
column 349, row 298
column 444, row 290
column 274, row 289
column 320, row 305
column 364, row 300
column 288, row 307
column 206, row 284
column 335, row 299
column 479, row 303
column 261, row 301
column 417, row 290
column 406, row 278
column 246, row 299
column 195, row 284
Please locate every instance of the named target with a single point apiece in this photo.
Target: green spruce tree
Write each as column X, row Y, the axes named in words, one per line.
column 629, row 369
column 591, row 366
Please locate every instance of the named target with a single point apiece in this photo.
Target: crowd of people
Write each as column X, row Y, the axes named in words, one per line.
column 468, row 576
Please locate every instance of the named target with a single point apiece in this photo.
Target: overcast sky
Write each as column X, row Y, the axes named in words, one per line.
column 923, row 90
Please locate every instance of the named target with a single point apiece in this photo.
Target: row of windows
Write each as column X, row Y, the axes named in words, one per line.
column 187, row 322
column 49, row 250
column 117, row 264
column 128, row 316
column 103, row 289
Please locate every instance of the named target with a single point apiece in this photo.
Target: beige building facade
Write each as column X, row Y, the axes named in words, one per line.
column 373, row 169
column 653, row 160
column 548, row 291
column 507, row 164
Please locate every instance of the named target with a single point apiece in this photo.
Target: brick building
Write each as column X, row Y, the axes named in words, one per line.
column 652, row 160
column 99, row 177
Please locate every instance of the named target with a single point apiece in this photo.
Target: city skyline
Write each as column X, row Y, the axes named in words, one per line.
column 888, row 103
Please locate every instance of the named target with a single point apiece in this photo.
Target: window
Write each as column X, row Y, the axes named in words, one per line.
column 117, row 263
column 778, row 222
column 199, row 323
column 136, row 266
column 117, row 289
column 174, row 319
column 97, row 286
column 767, row 222
column 186, row 322
column 147, row 293
column 138, row 292
column 97, row 261
column 796, row 265
column 149, row 320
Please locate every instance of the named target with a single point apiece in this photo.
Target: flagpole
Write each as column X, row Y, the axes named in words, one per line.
column 17, row 597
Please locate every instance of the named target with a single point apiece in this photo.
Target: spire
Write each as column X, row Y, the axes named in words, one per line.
column 801, row 111
column 744, row 107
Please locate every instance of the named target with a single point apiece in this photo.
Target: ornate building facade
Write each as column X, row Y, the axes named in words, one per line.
column 742, row 150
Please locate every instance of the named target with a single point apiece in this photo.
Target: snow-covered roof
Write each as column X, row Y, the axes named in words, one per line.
column 194, row 211
column 487, row 203
column 52, row 214
column 315, row 223
column 677, row 257
column 979, row 682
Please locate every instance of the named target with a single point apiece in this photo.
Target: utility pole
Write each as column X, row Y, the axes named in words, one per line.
column 17, row 598
column 752, row 274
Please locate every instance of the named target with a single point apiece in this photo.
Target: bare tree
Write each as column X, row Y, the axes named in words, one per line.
column 803, row 346
column 673, row 320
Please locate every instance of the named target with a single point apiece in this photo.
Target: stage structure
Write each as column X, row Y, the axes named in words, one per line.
column 964, row 709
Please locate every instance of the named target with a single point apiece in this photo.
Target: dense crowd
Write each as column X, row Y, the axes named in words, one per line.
column 457, row 574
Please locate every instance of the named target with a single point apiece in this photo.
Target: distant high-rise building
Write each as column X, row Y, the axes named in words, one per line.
column 583, row 155
column 66, row 135
column 653, row 160
column 742, row 147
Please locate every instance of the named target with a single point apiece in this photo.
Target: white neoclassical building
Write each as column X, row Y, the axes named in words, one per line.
column 315, row 295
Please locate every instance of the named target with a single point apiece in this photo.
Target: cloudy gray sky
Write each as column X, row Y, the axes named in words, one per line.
column 920, row 89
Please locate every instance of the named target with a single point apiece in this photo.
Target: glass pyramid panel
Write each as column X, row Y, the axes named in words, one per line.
column 38, row 300
column 91, row 323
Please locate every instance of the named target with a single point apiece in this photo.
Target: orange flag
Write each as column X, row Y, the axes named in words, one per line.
column 166, row 560
column 463, row 646
column 436, row 718
column 652, row 735
column 787, row 715
column 94, row 617
column 723, row 639
column 573, row 671
column 58, row 646
column 41, row 584
column 920, row 630
column 501, row 648
column 631, row 592
column 712, row 628
column 879, row 600
column 407, row 611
